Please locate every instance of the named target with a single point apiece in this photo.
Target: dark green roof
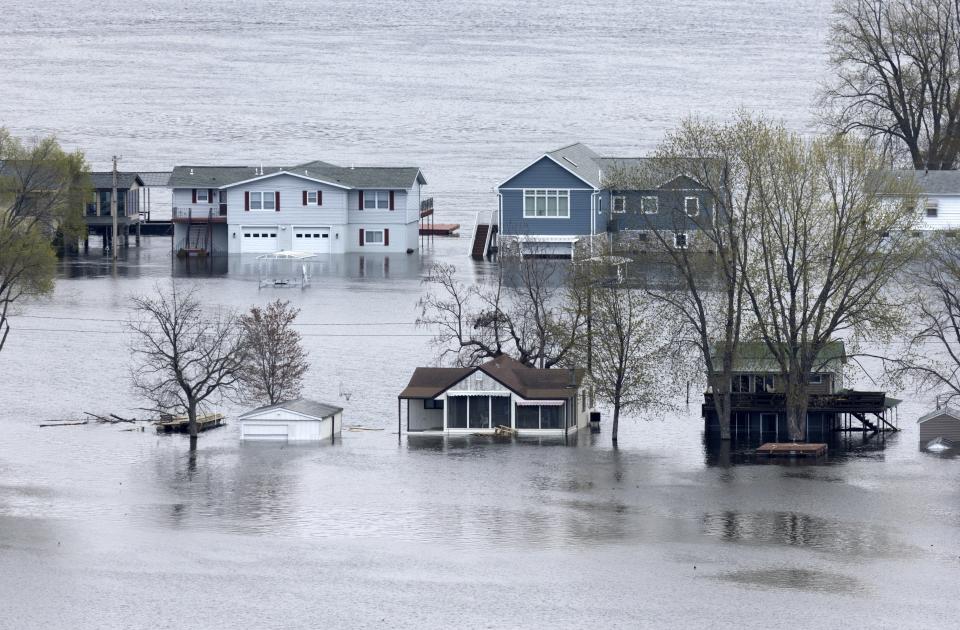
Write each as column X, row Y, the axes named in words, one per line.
column 755, row 356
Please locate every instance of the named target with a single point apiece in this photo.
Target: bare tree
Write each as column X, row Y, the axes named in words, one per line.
column 183, row 357
column 529, row 311
column 830, row 231
column 931, row 358
column 41, row 197
column 630, row 356
column 898, row 76
column 274, row 360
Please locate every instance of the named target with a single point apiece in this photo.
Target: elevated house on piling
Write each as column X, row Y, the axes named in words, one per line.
column 501, row 392
column 97, row 211
column 314, row 207
column 759, row 404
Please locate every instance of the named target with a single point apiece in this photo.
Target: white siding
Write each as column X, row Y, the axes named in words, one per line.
column 279, row 424
column 948, row 213
column 421, row 419
column 479, row 381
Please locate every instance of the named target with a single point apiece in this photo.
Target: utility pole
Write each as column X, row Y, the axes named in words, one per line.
column 113, row 212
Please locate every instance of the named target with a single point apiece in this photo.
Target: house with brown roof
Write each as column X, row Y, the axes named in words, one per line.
column 501, row 392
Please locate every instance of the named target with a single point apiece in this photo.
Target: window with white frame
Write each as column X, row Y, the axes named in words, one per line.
column 373, row 237
column 263, row 200
column 932, row 208
column 202, row 195
column 311, row 197
column 376, row 200
column 619, row 204
column 680, row 240
column 651, row 205
column 691, row 205
column 546, row 203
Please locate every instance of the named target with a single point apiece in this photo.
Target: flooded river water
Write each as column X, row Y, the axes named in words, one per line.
column 104, row 528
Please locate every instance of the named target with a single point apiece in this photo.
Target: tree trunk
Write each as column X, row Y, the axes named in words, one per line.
column 616, row 416
column 797, row 399
column 721, row 402
column 192, row 426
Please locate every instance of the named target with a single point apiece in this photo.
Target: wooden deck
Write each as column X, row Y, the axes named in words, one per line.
column 179, row 424
column 792, row 449
column 439, row 229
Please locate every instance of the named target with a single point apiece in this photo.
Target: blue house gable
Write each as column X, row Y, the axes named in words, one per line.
column 545, row 173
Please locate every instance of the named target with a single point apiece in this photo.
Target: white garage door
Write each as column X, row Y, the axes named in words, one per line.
column 265, row 431
column 259, row 240
column 316, row 240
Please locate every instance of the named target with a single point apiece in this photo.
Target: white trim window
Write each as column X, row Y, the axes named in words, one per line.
column 691, row 206
column 311, row 197
column 651, row 205
column 376, row 200
column 546, row 204
column 203, row 196
column 680, row 240
column 619, row 204
column 263, row 200
column 373, row 237
column 932, row 208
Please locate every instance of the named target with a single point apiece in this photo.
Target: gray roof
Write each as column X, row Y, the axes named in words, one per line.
column 104, row 179
column 934, row 182
column 155, row 178
column 300, row 405
column 362, row 177
column 581, row 160
column 946, row 411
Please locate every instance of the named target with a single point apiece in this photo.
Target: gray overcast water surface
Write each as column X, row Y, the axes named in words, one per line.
column 101, row 528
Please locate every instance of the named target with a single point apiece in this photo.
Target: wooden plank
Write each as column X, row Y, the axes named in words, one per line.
column 792, row 449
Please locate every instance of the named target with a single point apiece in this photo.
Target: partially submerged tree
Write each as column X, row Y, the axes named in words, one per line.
column 931, row 358
column 274, row 359
column 898, row 76
column 631, row 358
column 42, row 190
column 829, row 231
column 530, row 311
column 184, row 357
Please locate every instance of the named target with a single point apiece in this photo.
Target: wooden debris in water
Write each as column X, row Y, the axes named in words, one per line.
column 181, row 424
column 65, row 423
column 505, row 431
column 792, row 449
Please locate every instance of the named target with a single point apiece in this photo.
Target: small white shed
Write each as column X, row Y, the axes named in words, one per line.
column 943, row 423
column 299, row 420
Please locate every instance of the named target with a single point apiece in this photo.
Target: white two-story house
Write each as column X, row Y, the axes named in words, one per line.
column 939, row 199
column 315, row 207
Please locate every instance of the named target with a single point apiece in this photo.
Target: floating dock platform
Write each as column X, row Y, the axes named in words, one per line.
column 180, row 424
column 792, row 449
column 439, row 229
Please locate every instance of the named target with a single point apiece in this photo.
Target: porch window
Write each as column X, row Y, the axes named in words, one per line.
column 499, row 411
column 546, row 203
column 457, row 412
column 479, row 412
column 651, row 205
column 547, row 415
column 376, row 200
column 261, row 200
column 816, row 379
column 550, row 417
column 763, row 383
column 691, row 205
column 528, row 417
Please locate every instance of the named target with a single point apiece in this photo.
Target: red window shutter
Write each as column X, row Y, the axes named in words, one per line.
column 319, row 197
column 386, row 236
column 246, row 200
column 304, row 197
column 361, row 237
column 360, row 206
column 278, row 200
column 391, row 200
column 209, row 195
column 194, row 195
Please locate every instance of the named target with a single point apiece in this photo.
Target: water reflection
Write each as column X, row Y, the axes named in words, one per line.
column 795, row 579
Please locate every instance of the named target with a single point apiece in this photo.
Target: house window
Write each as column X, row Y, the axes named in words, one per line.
column 376, row 200
column 740, row 384
column 691, row 205
column 457, row 412
column 499, row 411
column 373, row 237
column 202, row 196
column 311, row 197
column 643, row 236
column 680, row 240
column 263, row 201
column 433, row 403
column 546, row 204
column 816, row 379
column 651, row 205
column 932, row 209
column 540, row 416
column 619, row 204
column 223, row 196
column 528, row 417
column 763, row 383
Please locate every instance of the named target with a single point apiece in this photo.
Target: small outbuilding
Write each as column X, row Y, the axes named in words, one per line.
column 944, row 423
column 299, row 420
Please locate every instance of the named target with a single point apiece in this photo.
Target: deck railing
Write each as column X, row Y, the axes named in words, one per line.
column 841, row 402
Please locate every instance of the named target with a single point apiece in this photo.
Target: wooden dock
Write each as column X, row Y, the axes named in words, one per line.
column 439, row 229
column 180, row 424
column 792, row 449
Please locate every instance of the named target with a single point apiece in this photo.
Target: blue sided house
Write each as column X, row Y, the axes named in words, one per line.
column 573, row 195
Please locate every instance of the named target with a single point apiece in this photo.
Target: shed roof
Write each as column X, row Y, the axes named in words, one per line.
column 104, row 179
column 303, row 406
column 950, row 412
column 934, row 182
column 525, row 381
column 755, row 356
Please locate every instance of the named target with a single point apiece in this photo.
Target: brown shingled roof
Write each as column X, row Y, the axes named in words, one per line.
column 527, row 382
